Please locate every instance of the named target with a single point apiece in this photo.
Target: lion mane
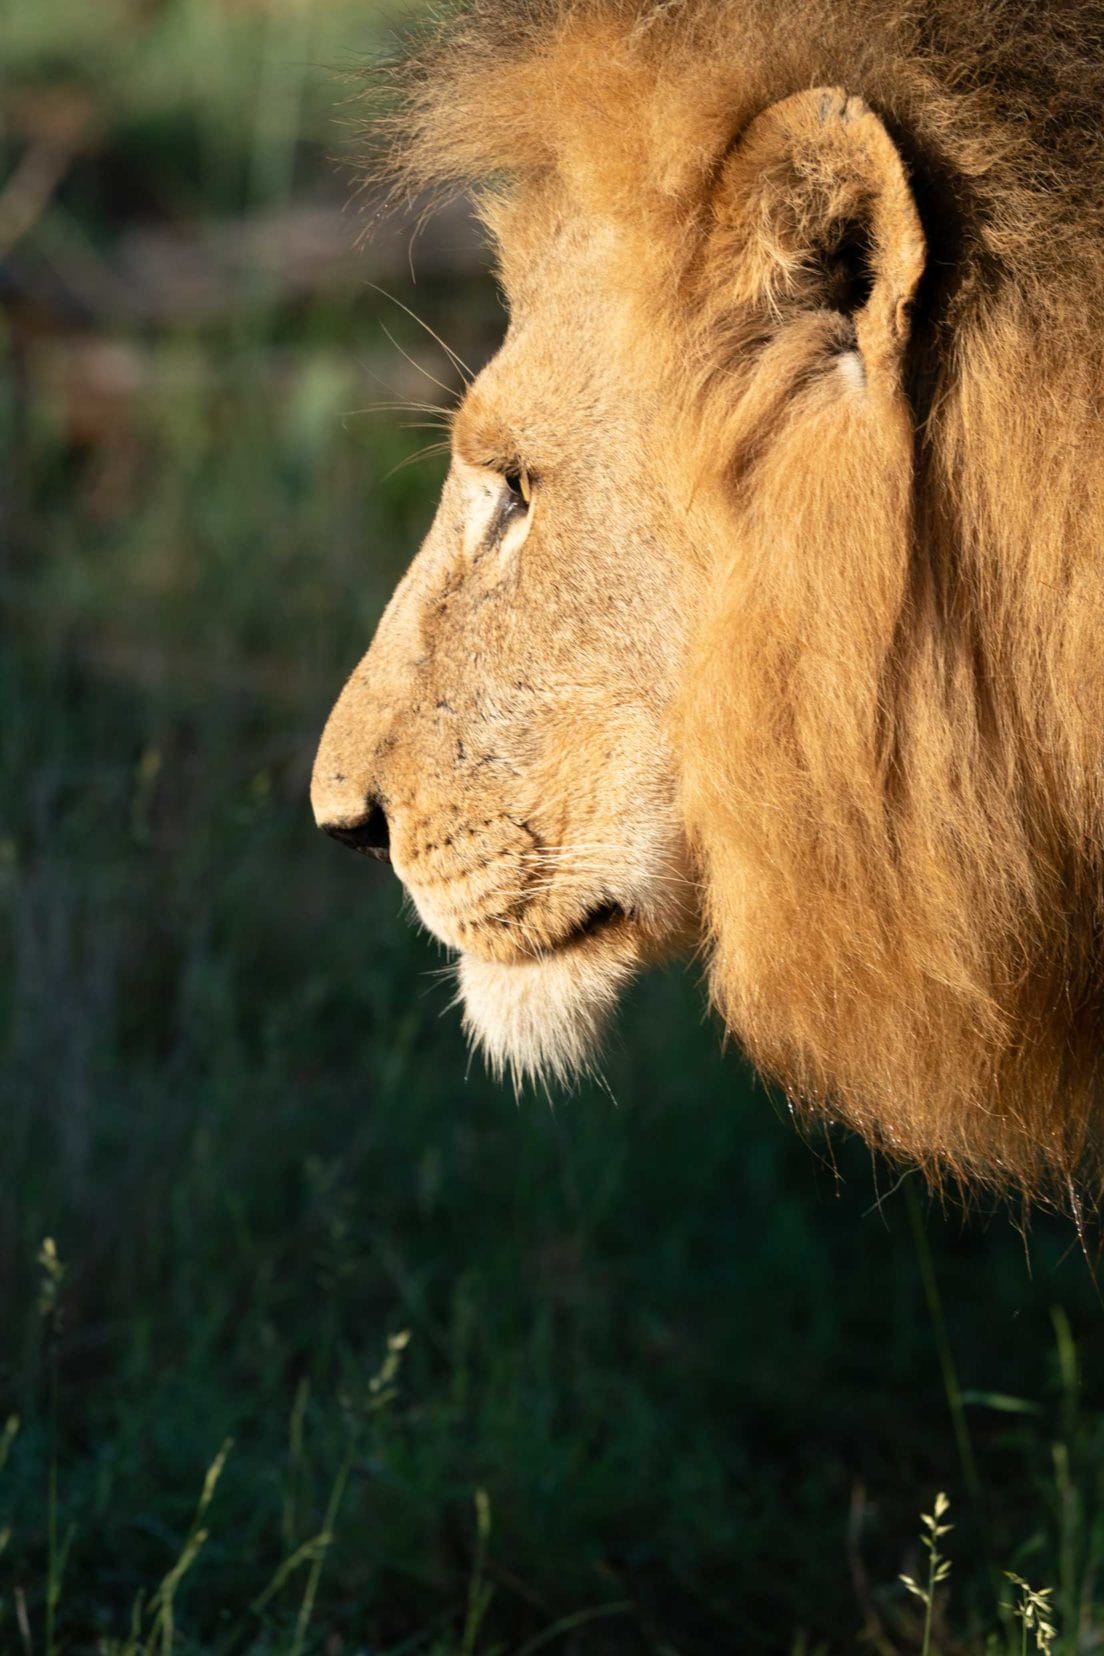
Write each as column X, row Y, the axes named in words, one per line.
column 890, row 742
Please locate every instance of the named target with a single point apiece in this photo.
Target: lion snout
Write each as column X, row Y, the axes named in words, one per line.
column 466, row 874
column 347, row 805
column 348, row 794
column 366, row 832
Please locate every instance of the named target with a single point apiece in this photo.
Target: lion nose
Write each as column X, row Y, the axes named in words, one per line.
column 366, row 832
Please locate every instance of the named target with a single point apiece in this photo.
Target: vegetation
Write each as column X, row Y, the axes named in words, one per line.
column 311, row 1339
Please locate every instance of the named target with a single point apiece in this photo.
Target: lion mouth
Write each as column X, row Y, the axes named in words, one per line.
column 544, row 1017
column 599, row 921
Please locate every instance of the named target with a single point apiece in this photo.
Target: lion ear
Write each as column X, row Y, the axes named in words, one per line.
column 813, row 210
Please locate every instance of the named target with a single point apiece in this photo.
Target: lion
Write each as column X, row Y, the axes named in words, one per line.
column 762, row 616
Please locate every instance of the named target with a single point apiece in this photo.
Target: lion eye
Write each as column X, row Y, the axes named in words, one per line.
column 520, row 486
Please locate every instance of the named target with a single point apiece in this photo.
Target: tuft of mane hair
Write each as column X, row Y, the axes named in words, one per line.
column 896, row 795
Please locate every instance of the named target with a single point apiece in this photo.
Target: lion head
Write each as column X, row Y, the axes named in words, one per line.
column 763, row 610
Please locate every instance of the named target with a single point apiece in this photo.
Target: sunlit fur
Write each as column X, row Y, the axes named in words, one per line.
column 890, row 735
column 544, row 1020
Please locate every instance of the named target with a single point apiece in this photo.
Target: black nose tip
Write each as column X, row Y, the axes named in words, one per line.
column 367, row 834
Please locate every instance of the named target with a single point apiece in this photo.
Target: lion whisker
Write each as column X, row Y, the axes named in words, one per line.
column 454, row 357
column 401, row 406
column 414, row 363
column 419, row 454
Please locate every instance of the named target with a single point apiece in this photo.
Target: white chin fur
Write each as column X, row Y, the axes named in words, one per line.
column 542, row 1020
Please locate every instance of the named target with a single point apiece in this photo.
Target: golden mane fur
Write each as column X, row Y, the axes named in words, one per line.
column 891, row 738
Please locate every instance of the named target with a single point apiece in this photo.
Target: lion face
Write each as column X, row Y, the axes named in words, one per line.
column 510, row 738
column 505, row 736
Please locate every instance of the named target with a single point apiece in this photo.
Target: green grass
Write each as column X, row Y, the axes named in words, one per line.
column 677, row 1379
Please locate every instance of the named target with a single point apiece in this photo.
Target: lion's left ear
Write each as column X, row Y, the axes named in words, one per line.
column 813, row 211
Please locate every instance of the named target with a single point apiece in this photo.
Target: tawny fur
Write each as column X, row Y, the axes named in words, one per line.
column 889, row 732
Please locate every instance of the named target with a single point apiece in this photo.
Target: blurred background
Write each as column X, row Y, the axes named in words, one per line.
column 311, row 1339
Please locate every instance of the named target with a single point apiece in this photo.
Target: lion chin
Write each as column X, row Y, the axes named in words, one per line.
column 544, row 1020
